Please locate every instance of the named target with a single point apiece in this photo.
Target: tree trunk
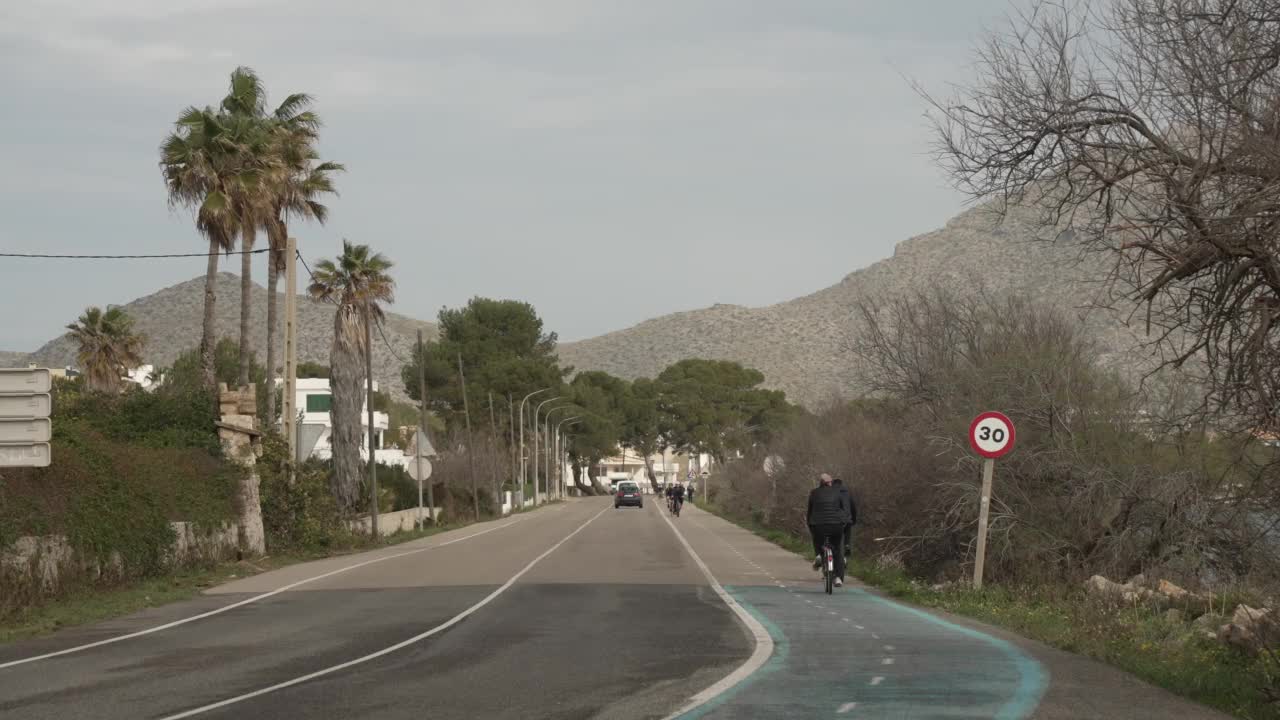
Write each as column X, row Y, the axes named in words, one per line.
column 648, row 470
column 346, row 373
column 247, row 239
column 207, row 339
column 273, row 283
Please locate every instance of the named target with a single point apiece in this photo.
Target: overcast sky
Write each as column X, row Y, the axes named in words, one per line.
column 607, row 160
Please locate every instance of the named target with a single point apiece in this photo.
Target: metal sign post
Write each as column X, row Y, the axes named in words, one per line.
column 991, row 435
column 26, row 403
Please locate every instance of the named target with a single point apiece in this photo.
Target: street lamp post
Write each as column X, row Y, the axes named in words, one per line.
column 537, row 410
column 520, row 489
column 547, row 439
column 560, row 454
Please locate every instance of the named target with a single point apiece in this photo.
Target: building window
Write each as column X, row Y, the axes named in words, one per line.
column 319, row 403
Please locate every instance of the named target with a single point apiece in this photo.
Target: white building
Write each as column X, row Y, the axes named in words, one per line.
column 314, row 399
column 144, row 376
column 668, row 467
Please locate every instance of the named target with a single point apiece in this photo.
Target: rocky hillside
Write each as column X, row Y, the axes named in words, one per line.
column 799, row 344
column 172, row 318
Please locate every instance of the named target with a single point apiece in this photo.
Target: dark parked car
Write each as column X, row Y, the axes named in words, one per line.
column 628, row 493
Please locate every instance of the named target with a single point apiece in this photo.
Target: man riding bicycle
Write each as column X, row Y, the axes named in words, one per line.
column 677, row 498
column 828, row 513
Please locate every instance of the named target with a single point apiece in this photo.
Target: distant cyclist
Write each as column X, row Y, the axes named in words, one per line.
column 853, row 515
column 827, row 515
column 677, row 498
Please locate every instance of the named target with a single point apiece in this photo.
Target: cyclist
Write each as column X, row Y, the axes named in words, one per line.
column 677, row 498
column 670, row 493
column 853, row 516
column 826, row 515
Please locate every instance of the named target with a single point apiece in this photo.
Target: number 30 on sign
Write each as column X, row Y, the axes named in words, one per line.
column 991, row 434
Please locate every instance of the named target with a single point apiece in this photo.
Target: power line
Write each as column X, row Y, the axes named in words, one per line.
column 126, row 257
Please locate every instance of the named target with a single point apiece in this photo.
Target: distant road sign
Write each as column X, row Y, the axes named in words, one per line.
column 25, row 407
column 25, row 430
column 25, row 455
column 991, row 434
column 25, row 380
column 412, row 467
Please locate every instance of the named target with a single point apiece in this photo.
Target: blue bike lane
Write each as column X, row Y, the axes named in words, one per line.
column 854, row 654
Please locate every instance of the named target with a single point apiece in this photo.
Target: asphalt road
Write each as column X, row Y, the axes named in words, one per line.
column 573, row 611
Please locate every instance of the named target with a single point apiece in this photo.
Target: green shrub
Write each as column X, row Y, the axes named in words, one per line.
column 302, row 515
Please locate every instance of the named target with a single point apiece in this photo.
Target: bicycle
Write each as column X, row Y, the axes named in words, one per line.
column 675, row 506
column 828, row 565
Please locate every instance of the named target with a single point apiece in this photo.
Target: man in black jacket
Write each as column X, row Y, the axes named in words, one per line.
column 827, row 515
column 853, row 516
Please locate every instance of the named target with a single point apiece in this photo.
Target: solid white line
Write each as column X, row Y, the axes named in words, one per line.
column 390, row 649
column 877, row 680
column 847, row 707
column 246, row 601
column 759, row 656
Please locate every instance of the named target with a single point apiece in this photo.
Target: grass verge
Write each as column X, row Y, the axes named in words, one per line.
column 87, row 605
column 1165, row 651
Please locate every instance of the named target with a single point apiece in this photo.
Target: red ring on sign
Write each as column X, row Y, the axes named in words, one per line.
column 973, row 431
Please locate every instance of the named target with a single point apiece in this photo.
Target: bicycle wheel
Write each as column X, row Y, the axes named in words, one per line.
column 828, row 571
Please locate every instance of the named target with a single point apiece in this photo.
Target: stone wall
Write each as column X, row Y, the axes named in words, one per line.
column 49, row 559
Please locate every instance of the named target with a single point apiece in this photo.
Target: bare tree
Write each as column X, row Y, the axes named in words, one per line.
column 1149, row 129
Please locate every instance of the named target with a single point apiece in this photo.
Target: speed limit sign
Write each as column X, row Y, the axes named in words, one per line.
column 991, row 434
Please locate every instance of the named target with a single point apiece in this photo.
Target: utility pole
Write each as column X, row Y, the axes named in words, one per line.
column 289, row 410
column 422, row 393
column 493, row 429
column 471, row 446
column 511, row 427
column 368, row 400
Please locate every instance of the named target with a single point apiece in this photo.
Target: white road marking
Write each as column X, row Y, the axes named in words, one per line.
column 847, row 707
column 390, row 649
column 887, row 661
column 890, row 648
column 764, row 642
column 875, row 636
column 845, row 619
column 831, row 612
column 246, row 601
column 859, row 627
column 877, row 680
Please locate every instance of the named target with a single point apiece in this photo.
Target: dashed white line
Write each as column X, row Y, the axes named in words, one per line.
column 887, row 661
column 846, row 619
column 877, row 680
column 847, row 707
column 859, row 627
column 875, row 636
column 890, row 648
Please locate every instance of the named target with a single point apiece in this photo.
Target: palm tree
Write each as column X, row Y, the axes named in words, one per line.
column 358, row 282
column 108, row 347
column 210, row 164
column 291, row 189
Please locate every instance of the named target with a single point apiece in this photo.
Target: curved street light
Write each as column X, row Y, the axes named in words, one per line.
column 537, row 410
column 520, row 489
column 559, row 450
column 546, row 446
